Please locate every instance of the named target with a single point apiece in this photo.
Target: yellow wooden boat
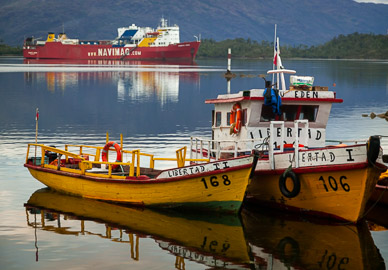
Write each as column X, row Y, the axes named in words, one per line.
column 297, row 170
column 213, row 239
column 334, row 181
column 286, row 242
column 219, row 185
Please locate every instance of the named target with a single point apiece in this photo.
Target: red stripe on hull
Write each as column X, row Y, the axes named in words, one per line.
column 57, row 50
column 317, row 169
column 238, row 99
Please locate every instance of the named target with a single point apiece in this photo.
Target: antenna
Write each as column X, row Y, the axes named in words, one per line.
column 274, row 53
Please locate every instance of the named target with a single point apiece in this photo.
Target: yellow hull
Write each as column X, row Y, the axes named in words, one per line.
column 289, row 243
column 340, row 194
column 194, row 234
column 192, row 191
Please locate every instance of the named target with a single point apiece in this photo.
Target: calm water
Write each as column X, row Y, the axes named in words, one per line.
column 157, row 107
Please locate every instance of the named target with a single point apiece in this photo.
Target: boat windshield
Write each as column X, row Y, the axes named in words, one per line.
column 290, row 113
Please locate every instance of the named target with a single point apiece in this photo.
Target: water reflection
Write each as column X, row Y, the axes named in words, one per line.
column 286, row 242
column 256, row 241
column 145, row 80
column 215, row 241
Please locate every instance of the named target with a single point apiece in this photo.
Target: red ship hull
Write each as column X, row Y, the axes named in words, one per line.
column 57, row 50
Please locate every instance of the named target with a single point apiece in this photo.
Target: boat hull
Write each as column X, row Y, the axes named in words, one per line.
column 193, row 191
column 339, row 191
column 58, row 50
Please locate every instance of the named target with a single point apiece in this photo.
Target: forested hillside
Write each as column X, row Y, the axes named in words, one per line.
column 309, row 22
column 353, row 46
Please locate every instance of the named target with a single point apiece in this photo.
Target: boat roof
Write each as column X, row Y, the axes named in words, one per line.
column 288, row 95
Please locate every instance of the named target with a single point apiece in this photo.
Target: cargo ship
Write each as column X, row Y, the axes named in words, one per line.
column 132, row 42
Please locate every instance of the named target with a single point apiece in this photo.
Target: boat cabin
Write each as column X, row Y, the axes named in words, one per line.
column 163, row 35
column 242, row 121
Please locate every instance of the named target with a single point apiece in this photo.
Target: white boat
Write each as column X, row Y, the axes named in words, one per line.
column 297, row 170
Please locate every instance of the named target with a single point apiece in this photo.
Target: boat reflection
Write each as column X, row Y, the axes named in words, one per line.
column 286, row 242
column 215, row 241
column 377, row 214
column 257, row 240
column 135, row 80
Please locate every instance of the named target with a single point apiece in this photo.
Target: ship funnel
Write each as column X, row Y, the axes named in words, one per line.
column 50, row 37
column 62, row 36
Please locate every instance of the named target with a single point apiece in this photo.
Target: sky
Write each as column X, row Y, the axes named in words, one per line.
column 373, row 1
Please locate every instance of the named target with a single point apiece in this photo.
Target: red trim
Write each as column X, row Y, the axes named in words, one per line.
column 141, row 179
column 229, row 100
column 236, row 99
column 317, row 169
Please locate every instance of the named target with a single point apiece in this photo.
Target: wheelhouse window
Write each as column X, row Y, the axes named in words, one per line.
column 267, row 114
column 309, row 113
column 290, row 113
column 228, row 119
column 244, row 117
column 218, row 119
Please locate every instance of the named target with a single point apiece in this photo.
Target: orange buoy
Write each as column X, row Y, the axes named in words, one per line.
column 118, row 151
column 235, row 119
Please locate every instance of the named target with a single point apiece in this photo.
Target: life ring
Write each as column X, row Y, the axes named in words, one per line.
column 235, row 119
column 373, row 149
column 282, row 184
column 104, row 155
column 55, row 162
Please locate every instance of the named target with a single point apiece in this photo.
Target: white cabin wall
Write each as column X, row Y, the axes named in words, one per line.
column 254, row 114
column 169, row 35
column 323, row 115
column 260, row 130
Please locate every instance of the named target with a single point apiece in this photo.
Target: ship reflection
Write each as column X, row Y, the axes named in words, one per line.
column 135, row 80
column 254, row 241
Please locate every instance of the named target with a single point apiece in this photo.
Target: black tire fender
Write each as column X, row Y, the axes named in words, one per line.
column 373, row 149
column 282, row 184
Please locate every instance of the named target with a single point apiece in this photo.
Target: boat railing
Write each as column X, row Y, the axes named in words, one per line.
column 180, row 155
column 383, row 144
column 85, row 166
column 219, row 149
column 201, row 148
column 81, row 150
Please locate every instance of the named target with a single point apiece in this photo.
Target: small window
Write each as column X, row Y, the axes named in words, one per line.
column 228, row 119
column 267, row 114
column 309, row 112
column 244, row 117
column 218, row 119
column 289, row 112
